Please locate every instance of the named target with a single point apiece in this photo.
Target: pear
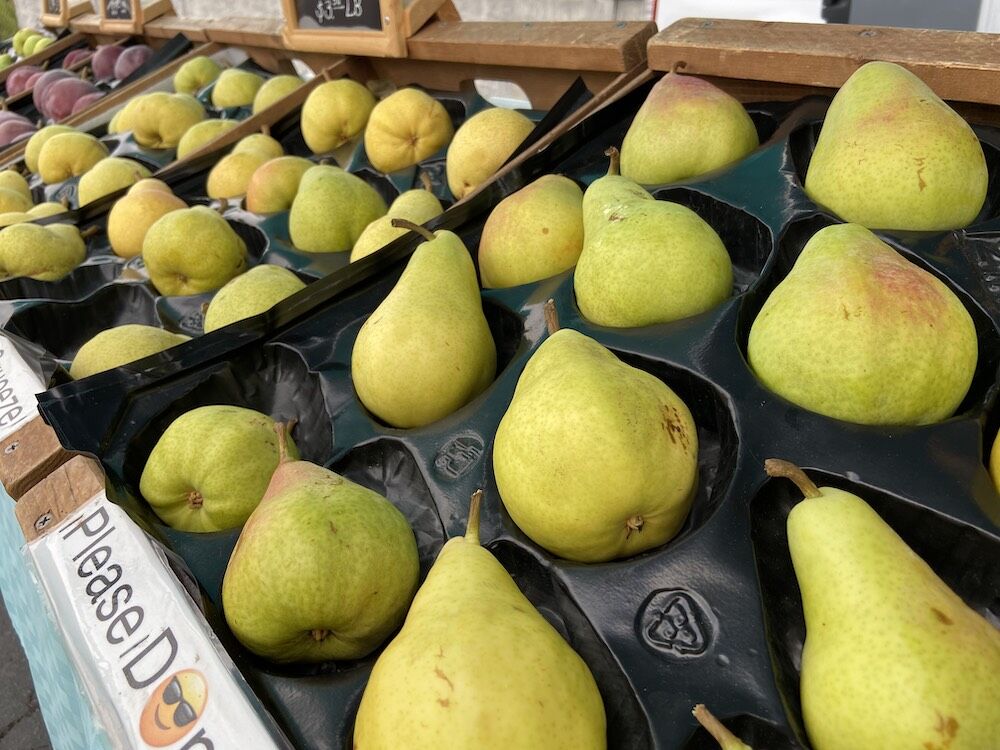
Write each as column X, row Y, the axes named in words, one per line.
column 253, row 292
column 274, row 184
column 133, row 214
column 405, row 128
column 19, row 37
column 427, row 350
column 481, row 146
column 995, row 463
column 192, row 250
column 274, row 90
column 14, row 217
column 648, row 261
column 114, row 347
column 892, row 155
column 532, row 234
column 11, row 180
column 196, row 74
column 726, row 739
column 108, row 176
column 323, row 569
column 201, row 134
column 210, row 467
column 594, row 459
column 857, row 332
column 33, row 148
column 331, row 209
column 260, row 143
column 334, row 113
column 13, row 200
column 160, row 120
column 685, row 128
column 231, row 175
column 917, row 669
column 66, row 155
column 235, row 88
column 416, row 206
column 606, row 194
column 477, row 666
column 48, row 208
column 45, row 253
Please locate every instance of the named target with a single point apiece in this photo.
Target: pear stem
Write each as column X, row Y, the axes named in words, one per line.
column 472, row 530
column 283, row 428
column 64, row 201
column 405, row 224
column 551, row 316
column 425, row 181
column 223, row 206
column 726, row 739
column 265, row 129
column 634, row 523
column 776, row 467
column 613, row 166
column 89, row 232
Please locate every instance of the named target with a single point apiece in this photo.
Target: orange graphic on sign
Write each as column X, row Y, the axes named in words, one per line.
column 174, row 708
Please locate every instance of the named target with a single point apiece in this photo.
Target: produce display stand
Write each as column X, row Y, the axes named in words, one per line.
column 57, row 13
column 40, row 58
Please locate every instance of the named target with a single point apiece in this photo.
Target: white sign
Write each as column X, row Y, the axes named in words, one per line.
column 18, row 386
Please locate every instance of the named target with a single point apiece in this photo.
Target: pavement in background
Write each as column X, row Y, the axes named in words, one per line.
column 21, row 724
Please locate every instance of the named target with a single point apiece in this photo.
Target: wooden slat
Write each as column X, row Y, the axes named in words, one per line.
column 167, row 27
column 245, row 32
column 28, row 456
column 88, row 23
column 58, row 495
column 592, row 45
column 957, row 65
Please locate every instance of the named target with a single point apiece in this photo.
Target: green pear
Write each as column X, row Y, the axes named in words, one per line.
column 114, row 347
column 6, row 60
column 201, row 134
column 160, row 120
column 334, row 113
column 726, row 739
column 477, row 666
column 323, row 569
column 331, row 209
column 274, row 90
column 594, row 459
column 892, row 155
column 18, row 40
column 533, row 234
column 235, row 88
column 427, row 350
column 481, row 146
column 33, row 148
column 29, row 44
column 108, row 176
column 857, row 332
column 259, row 143
column 893, row 658
column 273, row 185
column 685, row 128
column 11, row 180
column 192, row 250
column 250, row 293
column 12, row 200
column 66, row 155
column 231, row 175
column 210, row 467
column 44, row 43
column 405, row 128
column 646, row 261
column 416, row 206
column 45, row 253
column 995, row 462
column 134, row 213
column 196, row 74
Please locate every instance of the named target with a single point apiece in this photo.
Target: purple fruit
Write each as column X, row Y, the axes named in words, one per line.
column 12, row 130
column 18, row 78
column 76, row 55
column 131, row 59
column 86, row 100
column 62, row 95
column 104, row 61
column 45, row 80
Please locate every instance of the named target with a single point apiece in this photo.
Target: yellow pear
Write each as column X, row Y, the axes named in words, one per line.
column 46, row 253
column 274, row 90
column 46, row 209
column 66, row 155
column 12, row 180
column 109, row 176
column 273, row 185
column 133, row 214
column 120, row 345
column 250, row 293
column 334, row 113
column 13, row 200
column 33, row 148
column 196, row 74
column 14, row 217
column 405, row 128
column 481, row 146
column 417, row 206
column 200, row 135
column 235, row 88
column 159, row 119
column 331, row 209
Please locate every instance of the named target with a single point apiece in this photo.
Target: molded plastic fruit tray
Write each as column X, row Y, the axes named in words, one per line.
column 712, row 616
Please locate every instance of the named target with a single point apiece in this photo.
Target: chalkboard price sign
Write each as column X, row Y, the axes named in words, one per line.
column 52, row 7
column 338, row 14
column 118, row 10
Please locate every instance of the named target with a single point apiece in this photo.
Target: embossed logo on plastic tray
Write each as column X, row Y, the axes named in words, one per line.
column 458, row 455
column 675, row 621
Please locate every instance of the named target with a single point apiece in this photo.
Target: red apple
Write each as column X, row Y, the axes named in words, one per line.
column 131, row 59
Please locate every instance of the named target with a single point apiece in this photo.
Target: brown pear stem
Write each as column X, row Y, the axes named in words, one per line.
column 203, row 308
column 614, row 165
column 726, row 739
column 776, row 467
column 472, row 529
column 64, row 201
column 425, row 180
column 551, row 316
column 89, row 232
column 265, row 129
column 223, row 206
column 405, row 224
column 283, row 428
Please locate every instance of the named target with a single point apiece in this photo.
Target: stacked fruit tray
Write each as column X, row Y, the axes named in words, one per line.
column 603, row 433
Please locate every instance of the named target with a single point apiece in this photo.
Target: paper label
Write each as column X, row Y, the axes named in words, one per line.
column 154, row 670
column 18, row 386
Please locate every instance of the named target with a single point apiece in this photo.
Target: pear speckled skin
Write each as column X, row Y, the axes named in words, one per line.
column 892, row 155
column 476, row 666
column 274, row 90
column 427, row 350
column 418, row 206
column 109, row 176
column 235, row 87
column 331, row 209
column 405, row 128
column 334, row 113
column 211, row 467
column 159, row 119
column 686, row 127
column 594, row 459
column 858, row 333
column 45, row 253
column 323, row 569
column 250, row 293
column 481, row 146
column 66, row 155
column 893, row 658
column 114, row 347
column 273, row 185
column 200, row 135
column 995, row 462
column 195, row 74
column 533, row 234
